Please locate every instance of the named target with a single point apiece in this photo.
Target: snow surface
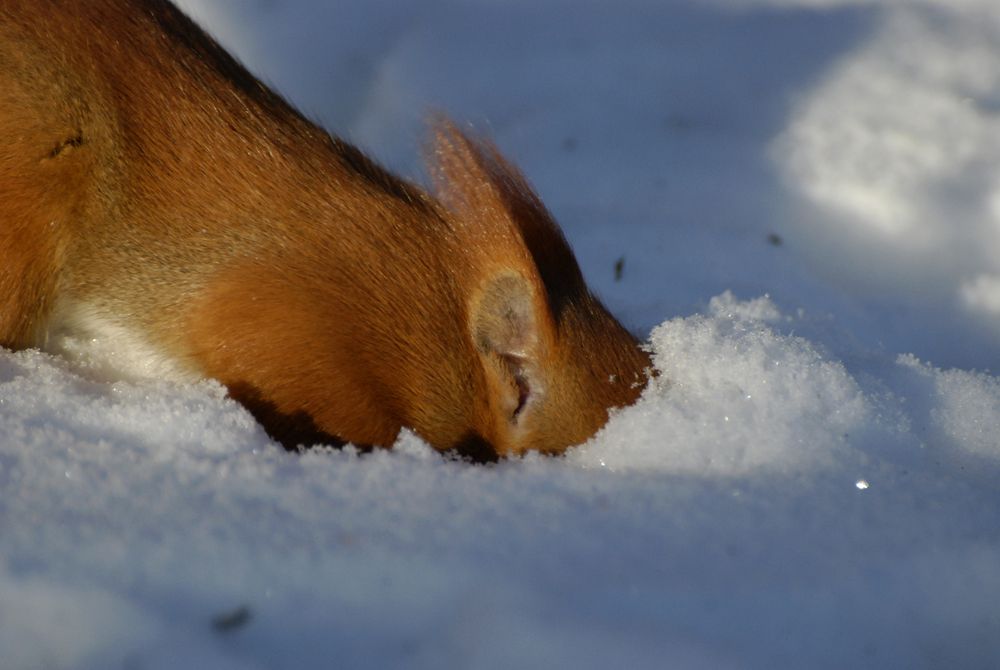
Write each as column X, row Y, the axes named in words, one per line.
column 806, row 196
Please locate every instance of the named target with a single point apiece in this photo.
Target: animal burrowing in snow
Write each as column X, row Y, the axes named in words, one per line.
column 159, row 202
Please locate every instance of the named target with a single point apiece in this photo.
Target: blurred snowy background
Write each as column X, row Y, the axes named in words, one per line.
column 805, row 197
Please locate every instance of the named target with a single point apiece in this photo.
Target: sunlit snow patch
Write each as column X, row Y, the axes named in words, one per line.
column 894, row 153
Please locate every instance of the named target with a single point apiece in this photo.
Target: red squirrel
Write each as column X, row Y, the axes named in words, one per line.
column 160, row 202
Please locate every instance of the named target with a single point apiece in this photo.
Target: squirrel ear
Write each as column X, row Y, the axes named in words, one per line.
column 498, row 212
column 504, row 327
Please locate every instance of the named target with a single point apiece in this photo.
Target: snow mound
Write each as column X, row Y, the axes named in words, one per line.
column 735, row 397
column 956, row 410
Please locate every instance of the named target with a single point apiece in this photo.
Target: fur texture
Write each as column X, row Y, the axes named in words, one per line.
column 151, row 183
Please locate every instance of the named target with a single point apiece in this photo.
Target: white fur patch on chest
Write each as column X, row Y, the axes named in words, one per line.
column 109, row 351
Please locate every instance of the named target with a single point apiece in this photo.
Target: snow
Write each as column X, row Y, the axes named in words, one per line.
column 807, row 201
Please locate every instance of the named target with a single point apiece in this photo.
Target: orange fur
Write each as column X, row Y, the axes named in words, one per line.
column 147, row 178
